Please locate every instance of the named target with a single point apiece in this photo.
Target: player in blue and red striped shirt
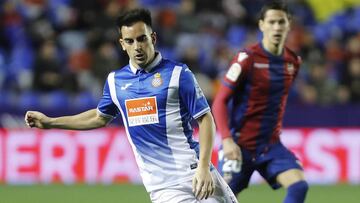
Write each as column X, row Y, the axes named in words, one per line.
column 254, row 93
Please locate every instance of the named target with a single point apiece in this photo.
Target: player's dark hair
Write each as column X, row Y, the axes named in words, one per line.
column 274, row 5
column 130, row 17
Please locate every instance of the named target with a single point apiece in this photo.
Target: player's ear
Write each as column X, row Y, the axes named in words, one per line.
column 261, row 25
column 153, row 38
column 121, row 41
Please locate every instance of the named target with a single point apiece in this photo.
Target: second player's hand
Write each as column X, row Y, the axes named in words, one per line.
column 35, row 119
column 203, row 184
column 231, row 149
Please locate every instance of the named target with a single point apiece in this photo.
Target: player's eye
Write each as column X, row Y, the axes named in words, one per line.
column 129, row 41
column 282, row 22
column 142, row 38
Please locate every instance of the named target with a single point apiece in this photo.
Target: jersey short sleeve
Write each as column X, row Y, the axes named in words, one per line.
column 191, row 94
column 106, row 106
column 238, row 69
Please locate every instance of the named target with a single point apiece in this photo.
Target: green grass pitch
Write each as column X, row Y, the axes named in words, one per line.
column 126, row 193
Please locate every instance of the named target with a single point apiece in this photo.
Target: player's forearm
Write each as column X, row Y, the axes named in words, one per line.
column 83, row 121
column 206, row 138
column 219, row 109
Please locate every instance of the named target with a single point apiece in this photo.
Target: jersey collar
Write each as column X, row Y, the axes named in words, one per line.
column 148, row 68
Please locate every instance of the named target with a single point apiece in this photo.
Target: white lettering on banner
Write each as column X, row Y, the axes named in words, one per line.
column 18, row 159
column 294, row 140
column 105, row 156
column 350, row 139
column 119, row 161
column 53, row 164
column 92, row 141
column 318, row 150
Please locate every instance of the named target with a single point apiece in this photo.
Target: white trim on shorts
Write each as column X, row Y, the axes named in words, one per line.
column 183, row 193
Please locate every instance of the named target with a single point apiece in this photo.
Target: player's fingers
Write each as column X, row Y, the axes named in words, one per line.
column 229, row 155
column 194, row 182
column 207, row 192
column 202, row 192
column 199, row 187
column 238, row 156
column 29, row 114
column 31, row 124
column 233, row 155
column 212, row 188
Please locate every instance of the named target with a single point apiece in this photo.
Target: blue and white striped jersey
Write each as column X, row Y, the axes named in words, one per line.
column 157, row 104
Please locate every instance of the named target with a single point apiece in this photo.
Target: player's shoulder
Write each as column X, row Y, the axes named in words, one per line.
column 244, row 54
column 122, row 71
column 250, row 52
column 172, row 64
column 292, row 56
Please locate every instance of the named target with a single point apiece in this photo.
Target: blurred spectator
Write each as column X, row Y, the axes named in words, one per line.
column 105, row 60
column 48, row 69
column 352, row 79
column 320, row 89
column 187, row 22
column 68, row 44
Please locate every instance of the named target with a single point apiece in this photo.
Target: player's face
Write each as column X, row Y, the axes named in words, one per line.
column 138, row 41
column 275, row 27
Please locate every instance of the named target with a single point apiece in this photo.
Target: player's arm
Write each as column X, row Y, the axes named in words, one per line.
column 87, row 120
column 230, row 148
column 206, row 139
column 237, row 72
column 192, row 96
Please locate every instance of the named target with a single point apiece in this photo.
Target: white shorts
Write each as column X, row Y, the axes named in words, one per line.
column 183, row 193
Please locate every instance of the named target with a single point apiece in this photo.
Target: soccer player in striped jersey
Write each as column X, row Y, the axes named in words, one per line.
column 157, row 99
column 250, row 106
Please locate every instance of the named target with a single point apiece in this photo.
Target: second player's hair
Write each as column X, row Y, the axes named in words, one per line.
column 274, row 5
column 130, row 17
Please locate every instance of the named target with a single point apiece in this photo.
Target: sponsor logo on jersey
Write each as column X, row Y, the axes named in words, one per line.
column 157, row 81
column 125, row 86
column 261, row 65
column 142, row 111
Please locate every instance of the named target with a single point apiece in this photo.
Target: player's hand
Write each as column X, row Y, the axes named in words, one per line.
column 35, row 119
column 231, row 149
column 203, row 183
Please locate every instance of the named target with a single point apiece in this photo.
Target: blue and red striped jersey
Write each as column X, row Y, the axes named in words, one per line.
column 254, row 93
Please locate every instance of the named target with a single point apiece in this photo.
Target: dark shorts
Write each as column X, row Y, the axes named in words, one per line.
column 275, row 160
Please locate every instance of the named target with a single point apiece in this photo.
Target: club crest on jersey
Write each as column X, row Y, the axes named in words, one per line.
column 290, row 68
column 157, row 81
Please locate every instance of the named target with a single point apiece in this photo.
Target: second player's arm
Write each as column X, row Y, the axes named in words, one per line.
column 87, row 120
column 206, row 139
column 203, row 185
column 230, row 148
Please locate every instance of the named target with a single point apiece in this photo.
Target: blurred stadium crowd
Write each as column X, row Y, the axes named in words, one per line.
column 57, row 53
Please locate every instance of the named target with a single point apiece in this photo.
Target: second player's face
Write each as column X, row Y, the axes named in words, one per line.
column 138, row 41
column 275, row 26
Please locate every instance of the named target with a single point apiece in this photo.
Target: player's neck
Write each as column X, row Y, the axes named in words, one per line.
column 275, row 49
column 137, row 66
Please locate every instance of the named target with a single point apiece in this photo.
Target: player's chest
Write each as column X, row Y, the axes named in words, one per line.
column 143, row 85
column 143, row 98
column 275, row 76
